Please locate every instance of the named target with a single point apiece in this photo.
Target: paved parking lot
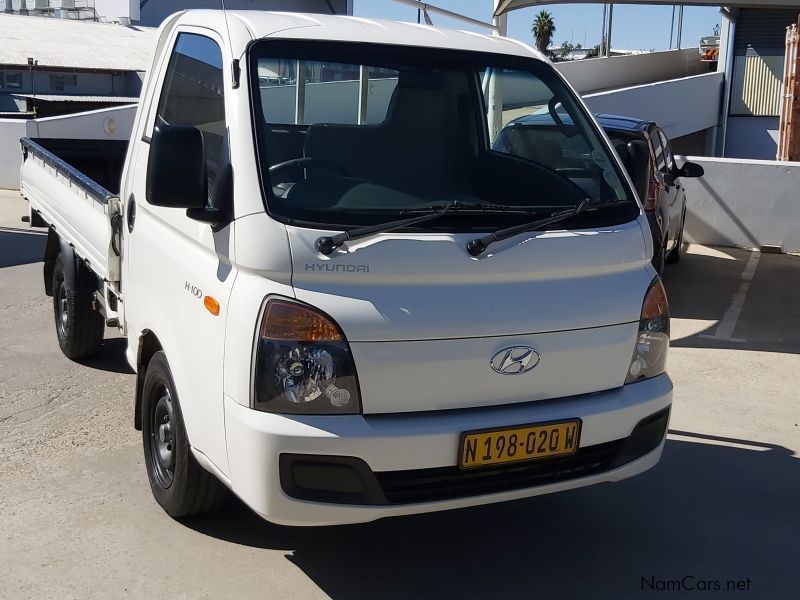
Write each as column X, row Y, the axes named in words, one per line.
column 77, row 519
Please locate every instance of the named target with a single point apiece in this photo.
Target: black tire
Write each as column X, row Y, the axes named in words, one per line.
column 674, row 257
column 79, row 327
column 179, row 484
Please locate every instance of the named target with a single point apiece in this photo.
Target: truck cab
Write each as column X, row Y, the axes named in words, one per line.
column 341, row 300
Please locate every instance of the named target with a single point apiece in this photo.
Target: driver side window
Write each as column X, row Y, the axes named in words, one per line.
column 669, row 159
column 193, row 96
column 658, row 152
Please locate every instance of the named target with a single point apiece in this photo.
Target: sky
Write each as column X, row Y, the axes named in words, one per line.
column 635, row 27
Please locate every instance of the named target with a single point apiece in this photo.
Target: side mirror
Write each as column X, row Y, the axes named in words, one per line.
column 690, row 169
column 638, row 164
column 176, row 169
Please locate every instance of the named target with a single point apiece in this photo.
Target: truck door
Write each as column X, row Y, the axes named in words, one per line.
column 177, row 267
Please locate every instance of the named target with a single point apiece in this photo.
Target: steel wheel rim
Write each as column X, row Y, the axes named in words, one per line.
column 62, row 310
column 162, row 437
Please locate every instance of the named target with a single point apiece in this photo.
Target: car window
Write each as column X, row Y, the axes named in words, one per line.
column 658, row 151
column 193, row 96
column 542, row 124
column 344, row 143
column 303, row 92
column 619, row 141
column 668, row 158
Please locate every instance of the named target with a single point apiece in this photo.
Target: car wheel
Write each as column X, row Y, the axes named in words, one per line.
column 179, row 484
column 79, row 328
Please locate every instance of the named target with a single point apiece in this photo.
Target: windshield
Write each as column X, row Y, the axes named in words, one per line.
column 342, row 143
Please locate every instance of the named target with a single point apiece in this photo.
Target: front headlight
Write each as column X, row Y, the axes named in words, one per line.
column 303, row 363
column 650, row 353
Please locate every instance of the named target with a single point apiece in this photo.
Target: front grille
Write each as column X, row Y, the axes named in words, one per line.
column 444, row 483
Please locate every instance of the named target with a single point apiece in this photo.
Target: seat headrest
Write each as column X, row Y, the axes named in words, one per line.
column 418, row 100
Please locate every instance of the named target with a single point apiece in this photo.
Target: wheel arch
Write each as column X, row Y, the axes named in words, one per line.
column 149, row 344
column 55, row 246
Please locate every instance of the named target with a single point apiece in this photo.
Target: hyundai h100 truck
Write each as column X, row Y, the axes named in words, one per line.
column 341, row 302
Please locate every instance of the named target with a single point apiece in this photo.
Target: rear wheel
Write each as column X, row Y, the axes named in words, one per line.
column 79, row 327
column 179, row 484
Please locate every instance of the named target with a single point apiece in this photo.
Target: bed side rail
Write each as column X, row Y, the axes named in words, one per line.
column 76, row 177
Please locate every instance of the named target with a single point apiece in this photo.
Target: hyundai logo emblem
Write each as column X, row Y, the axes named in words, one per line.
column 515, row 360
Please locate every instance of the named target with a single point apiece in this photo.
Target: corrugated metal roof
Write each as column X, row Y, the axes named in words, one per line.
column 77, row 98
column 75, row 44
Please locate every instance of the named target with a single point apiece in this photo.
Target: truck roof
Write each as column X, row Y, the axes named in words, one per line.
column 303, row 26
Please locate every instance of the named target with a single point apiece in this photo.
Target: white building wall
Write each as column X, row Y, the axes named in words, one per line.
column 153, row 12
column 744, row 203
column 114, row 10
column 11, row 130
column 752, row 137
column 596, row 74
column 680, row 106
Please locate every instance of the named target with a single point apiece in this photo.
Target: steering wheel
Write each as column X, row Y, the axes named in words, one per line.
column 309, row 162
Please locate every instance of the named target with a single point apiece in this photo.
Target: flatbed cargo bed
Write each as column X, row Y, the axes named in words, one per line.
column 73, row 185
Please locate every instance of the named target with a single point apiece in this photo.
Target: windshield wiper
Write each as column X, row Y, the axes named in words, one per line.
column 479, row 245
column 328, row 243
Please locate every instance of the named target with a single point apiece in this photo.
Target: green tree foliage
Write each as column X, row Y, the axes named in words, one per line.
column 543, row 29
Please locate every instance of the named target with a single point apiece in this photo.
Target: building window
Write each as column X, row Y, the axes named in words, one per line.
column 56, row 83
column 71, row 80
column 13, row 81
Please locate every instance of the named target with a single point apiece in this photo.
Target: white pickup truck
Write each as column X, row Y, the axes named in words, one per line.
column 341, row 302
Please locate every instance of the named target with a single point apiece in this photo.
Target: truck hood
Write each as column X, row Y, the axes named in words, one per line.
column 425, row 286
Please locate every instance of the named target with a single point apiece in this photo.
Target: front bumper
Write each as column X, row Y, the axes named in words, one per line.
column 421, row 443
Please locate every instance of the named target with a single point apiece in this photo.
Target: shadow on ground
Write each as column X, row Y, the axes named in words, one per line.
column 701, row 512
column 21, row 246
column 703, row 286
column 110, row 357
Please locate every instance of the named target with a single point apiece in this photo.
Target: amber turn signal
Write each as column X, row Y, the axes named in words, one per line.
column 285, row 320
column 655, row 303
column 211, row 305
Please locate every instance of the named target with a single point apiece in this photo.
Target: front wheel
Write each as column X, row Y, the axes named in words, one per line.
column 179, row 484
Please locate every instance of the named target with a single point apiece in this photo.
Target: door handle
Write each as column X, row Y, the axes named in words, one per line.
column 130, row 213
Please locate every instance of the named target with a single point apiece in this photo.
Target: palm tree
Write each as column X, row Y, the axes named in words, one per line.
column 543, row 29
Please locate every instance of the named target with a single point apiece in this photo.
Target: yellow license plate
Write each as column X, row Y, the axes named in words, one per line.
column 519, row 443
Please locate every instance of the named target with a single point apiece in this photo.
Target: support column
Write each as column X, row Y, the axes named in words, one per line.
column 363, row 93
column 728, row 81
column 495, row 95
column 602, row 51
column 300, row 94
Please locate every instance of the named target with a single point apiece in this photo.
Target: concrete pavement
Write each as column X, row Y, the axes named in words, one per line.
column 77, row 519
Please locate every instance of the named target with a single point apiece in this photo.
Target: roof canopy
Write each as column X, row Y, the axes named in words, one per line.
column 71, row 44
column 506, row 6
